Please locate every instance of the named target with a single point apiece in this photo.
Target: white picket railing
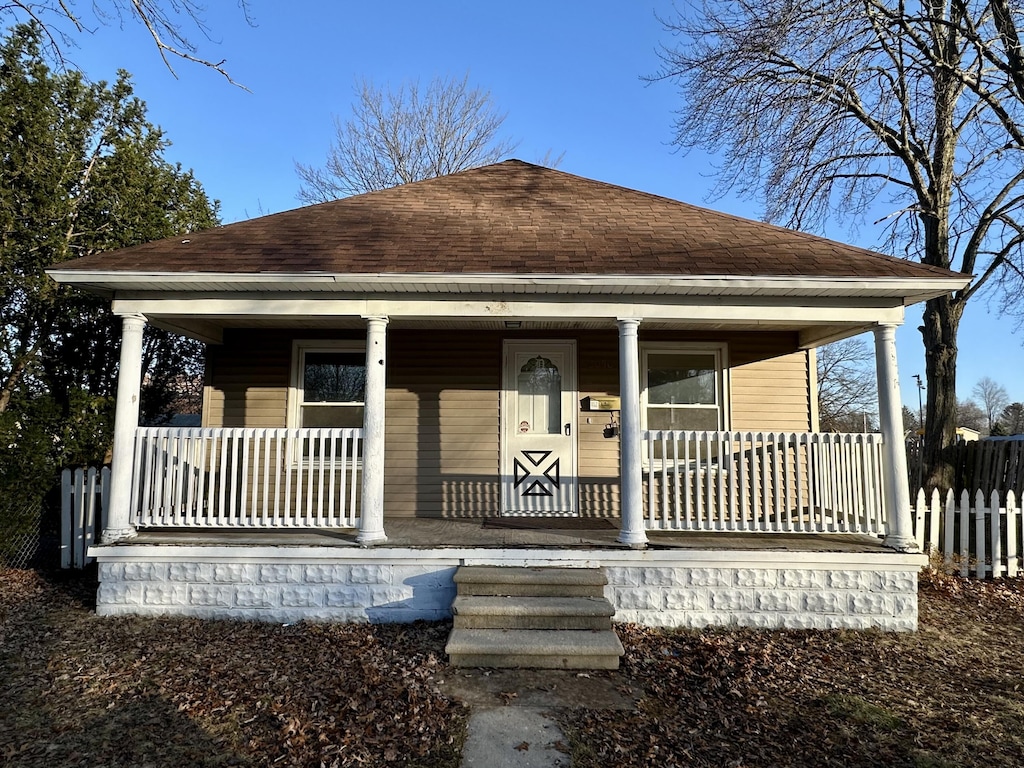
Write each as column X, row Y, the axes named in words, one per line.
column 246, row 478
column 777, row 482
column 978, row 537
column 83, row 498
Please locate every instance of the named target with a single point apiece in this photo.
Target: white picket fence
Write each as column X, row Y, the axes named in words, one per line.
column 84, row 496
column 980, row 538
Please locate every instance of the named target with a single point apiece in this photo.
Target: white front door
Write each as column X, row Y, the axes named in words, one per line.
column 538, row 432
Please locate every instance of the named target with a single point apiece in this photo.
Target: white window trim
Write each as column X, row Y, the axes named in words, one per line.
column 721, row 352
column 299, row 349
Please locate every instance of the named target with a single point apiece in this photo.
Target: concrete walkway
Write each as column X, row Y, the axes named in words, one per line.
column 512, row 712
column 514, row 737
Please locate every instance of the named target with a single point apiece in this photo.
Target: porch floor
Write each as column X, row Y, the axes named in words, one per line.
column 423, row 533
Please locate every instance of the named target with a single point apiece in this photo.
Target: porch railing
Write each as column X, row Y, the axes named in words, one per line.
column 246, row 478
column 777, row 482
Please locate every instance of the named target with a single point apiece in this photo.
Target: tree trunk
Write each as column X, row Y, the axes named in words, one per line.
column 941, row 321
column 11, row 384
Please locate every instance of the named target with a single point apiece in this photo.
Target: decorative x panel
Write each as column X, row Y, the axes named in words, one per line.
column 533, row 469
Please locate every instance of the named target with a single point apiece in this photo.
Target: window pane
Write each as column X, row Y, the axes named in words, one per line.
column 334, row 377
column 685, row 378
column 540, row 397
column 332, row 416
column 698, row 419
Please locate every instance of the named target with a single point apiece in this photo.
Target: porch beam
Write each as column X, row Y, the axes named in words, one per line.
column 632, row 530
column 371, row 515
column 126, row 421
column 899, row 521
column 768, row 312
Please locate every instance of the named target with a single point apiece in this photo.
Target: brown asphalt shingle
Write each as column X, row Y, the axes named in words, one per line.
column 508, row 218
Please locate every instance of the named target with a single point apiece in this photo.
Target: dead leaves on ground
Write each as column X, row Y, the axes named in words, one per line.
column 949, row 695
column 79, row 690
column 146, row 691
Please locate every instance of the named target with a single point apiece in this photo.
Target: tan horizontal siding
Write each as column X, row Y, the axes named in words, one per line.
column 249, row 377
column 441, row 449
column 770, row 392
column 598, row 366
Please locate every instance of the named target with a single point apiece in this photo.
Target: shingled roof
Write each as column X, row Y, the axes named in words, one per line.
column 512, row 218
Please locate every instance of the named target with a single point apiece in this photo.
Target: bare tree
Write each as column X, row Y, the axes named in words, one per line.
column 993, row 398
column 823, row 108
column 971, row 415
column 847, row 399
column 167, row 23
column 407, row 134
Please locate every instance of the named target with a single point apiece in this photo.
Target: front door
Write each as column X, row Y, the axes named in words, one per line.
column 538, row 415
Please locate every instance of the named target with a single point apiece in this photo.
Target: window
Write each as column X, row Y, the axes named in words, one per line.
column 684, row 386
column 329, row 383
column 539, row 388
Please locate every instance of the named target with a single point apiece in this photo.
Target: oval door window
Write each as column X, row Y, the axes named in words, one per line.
column 539, row 387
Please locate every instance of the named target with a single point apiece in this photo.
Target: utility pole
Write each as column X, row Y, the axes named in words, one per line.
column 920, row 430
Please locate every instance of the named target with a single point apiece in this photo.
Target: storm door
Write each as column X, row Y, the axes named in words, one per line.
column 538, row 430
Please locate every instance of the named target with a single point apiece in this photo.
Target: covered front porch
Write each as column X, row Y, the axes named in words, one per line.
column 693, row 527
column 708, row 480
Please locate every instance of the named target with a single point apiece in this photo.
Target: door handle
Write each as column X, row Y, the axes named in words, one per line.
column 568, row 429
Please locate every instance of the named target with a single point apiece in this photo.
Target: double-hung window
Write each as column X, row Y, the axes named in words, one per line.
column 329, row 384
column 684, row 386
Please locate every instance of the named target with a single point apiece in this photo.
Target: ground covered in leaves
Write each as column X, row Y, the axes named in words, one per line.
column 950, row 695
column 79, row 690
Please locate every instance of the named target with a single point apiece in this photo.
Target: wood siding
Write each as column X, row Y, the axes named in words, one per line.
column 442, row 412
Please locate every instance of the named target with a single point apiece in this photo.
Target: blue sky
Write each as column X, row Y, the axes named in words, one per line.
column 568, row 75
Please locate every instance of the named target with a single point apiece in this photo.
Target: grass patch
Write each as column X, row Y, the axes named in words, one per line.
column 857, row 710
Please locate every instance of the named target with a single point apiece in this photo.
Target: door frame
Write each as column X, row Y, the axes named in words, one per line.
column 570, row 415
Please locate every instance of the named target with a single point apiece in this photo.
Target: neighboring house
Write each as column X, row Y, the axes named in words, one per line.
column 509, row 366
column 967, row 435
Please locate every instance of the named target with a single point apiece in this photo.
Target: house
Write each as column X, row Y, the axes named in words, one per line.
column 967, row 434
column 509, row 366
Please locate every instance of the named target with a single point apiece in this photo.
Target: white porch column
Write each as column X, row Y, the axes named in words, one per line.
column 630, row 445
column 126, row 421
column 371, row 519
column 900, row 526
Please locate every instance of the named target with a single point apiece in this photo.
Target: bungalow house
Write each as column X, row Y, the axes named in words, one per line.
column 509, row 366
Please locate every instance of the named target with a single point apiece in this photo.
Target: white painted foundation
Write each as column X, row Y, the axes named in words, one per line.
column 676, row 588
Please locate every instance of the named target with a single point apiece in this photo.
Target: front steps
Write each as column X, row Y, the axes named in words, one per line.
column 540, row 618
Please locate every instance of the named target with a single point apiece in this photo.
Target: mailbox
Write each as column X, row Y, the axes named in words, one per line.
column 601, row 403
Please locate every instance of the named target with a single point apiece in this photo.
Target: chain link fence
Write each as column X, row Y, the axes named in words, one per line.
column 26, row 538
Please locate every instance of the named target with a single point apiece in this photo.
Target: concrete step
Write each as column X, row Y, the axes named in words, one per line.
column 527, row 582
column 534, row 648
column 503, row 612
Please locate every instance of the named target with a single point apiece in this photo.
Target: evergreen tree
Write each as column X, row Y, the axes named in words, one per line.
column 83, row 171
